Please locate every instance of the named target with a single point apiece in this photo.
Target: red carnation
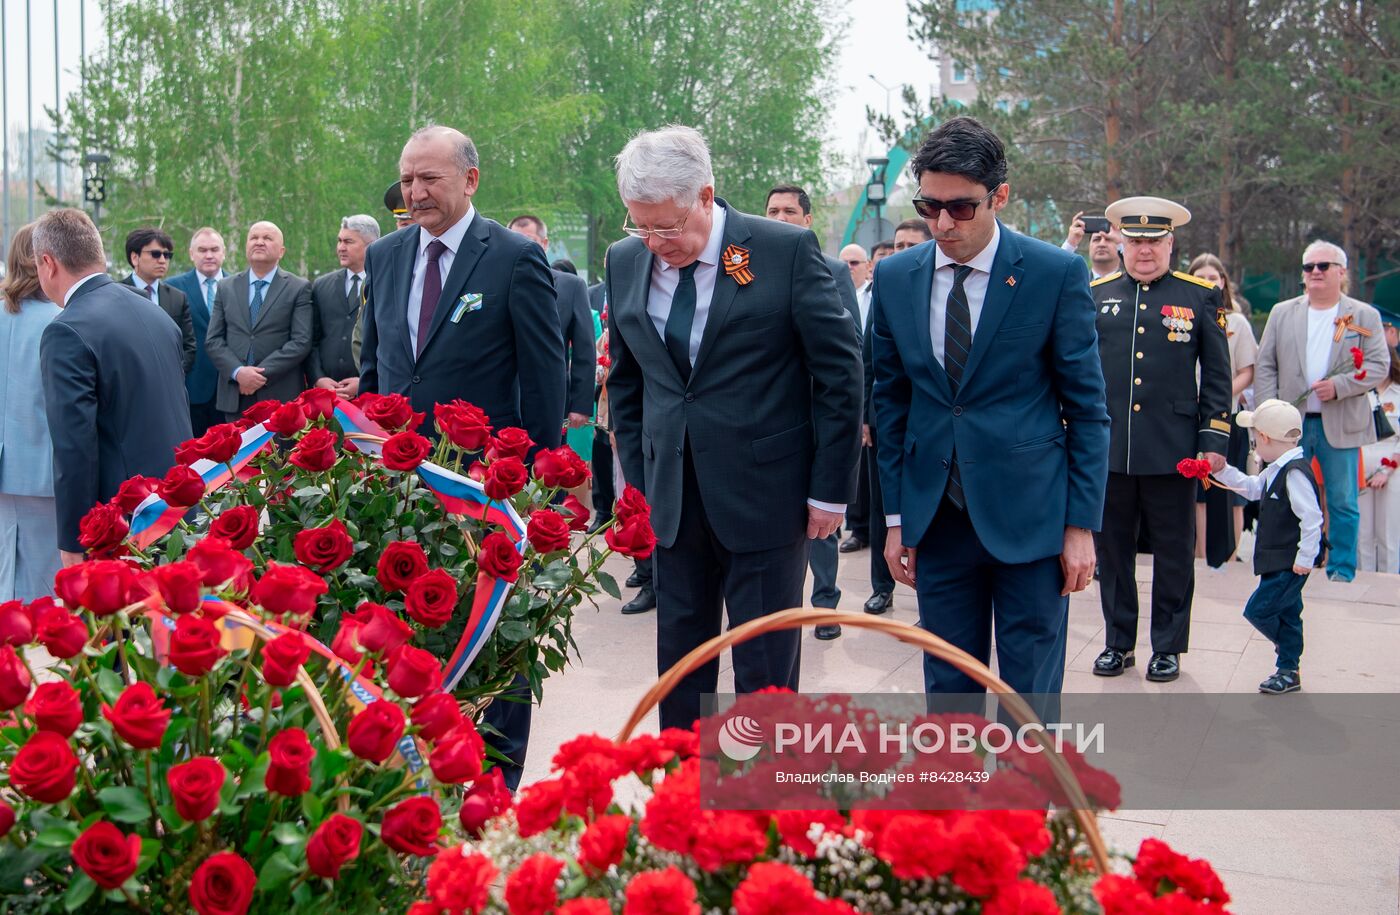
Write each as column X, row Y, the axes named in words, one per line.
column 106, row 855
column 560, row 468
column 431, row 598
column 45, row 768
column 1193, row 468
column 221, row 564
column 548, row 531
column 460, row 880
column 393, row 413
column 316, row 451
column 405, row 450
column 413, row 671
column 459, row 756
column 289, row 763
column 539, row 806
column 464, row 424
column 238, row 525
column 181, row 487
column 287, row 589
column 603, row 843
column 375, row 731
column 505, row 477
column 381, row 629
column 530, row 890
column 435, row 714
column 401, row 562
column 287, row 420
column 133, row 492
column 282, row 657
column 61, row 633
column 102, row 529
column 412, row 826
column 15, row 680
column 219, row 445
column 1024, row 897
column 510, row 442
column 573, row 510
column 195, row 787
column 498, row 557
column 632, row 537
column 180, row 585
column 55, row 706
column 318, row 403
column 668, row 892
column 335, row 842
column 323, row 548
column 771, row 887
column 222, row 885
column 138, row 716
column 488, row 797
column 195, row 646
column 1357, row 356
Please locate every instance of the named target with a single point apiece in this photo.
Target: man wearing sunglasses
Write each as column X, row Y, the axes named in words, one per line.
column 990, row 423
column 148, row 253
column 1305, row 357
column 1158, row 329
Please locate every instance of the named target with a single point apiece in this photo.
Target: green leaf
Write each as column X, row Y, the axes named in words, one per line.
column 288, row 833
column 513, row 631
column 109, row 684
column 312, row 806
column 17, row 863
column 124, row 804
column 80, row 890
column 59, row 836
column 150, row 852
column 277, row 872
column 609, row 584
column 555, row 576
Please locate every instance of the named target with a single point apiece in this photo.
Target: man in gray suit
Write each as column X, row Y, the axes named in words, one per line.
column 334, row 362
column 114, row 391
column 148, row 253
column 735, row 390
column 260, row 329
column 1305, row 342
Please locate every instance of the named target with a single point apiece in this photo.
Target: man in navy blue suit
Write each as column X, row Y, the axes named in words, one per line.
column 990, row 420
column 199, row 285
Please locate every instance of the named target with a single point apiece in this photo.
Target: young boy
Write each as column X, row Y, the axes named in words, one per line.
column 1288, row 535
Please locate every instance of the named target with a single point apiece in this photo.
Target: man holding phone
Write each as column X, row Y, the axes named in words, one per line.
column 1105, row 244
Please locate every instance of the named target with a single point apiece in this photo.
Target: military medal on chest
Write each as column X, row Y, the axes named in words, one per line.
column 1110, row 306
column 1177, row 321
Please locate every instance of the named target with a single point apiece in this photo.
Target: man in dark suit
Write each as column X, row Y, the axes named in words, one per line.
column 199, row 286
column 111, row 373
column 881, row 581
column 334, row 361
column 260, row 330
column 148, row 253
column 990, row 418
column 460, row 306
column 791, row 204
column 735, row 392
column 575, row 322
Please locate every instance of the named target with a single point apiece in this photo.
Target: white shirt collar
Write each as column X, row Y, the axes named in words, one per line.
column 1291, row 454
column 710, row 256
column 141, row 285
column 982, row 261
column 452, row 237
column 202, row 279
column 269, row 277
column 68, row 296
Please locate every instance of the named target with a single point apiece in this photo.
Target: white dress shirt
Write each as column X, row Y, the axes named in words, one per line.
column 1321, row 323
column 76, row 286
column 209, row 291
column 1301, row 499
column 350, row 280
column 863, row 303
column 452, row 238
column 141, row 287
column 254, row 279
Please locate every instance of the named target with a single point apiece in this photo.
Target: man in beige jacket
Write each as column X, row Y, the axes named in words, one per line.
column 1305, row 358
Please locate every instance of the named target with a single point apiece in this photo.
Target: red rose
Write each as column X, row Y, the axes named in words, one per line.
column 633, row 537
column 631, row 504
column 138, row 716
column 460, row 880
column 382, row 630
column 510, row 442
column 318, row 403
column 282, row 656
column 346, row 643
column 219, row 445
column 393, row 413
column 573, row 510
column 181, row 487
column 412, row 826
column 180, row 585
column 334, row 842
column 288, row 589
column 668, row 892
column 560, row 468
column 316, row 451
column 287, row 420
column 101, row 586
column 14, row 679
column 375, row 731
column 289, row 763
column 55, row 706
column 548, row 531
column 16, row 623
column 195, row 787
column 61, row 633
column 458, row 757
column 7, row 818
column 323, row 548
column 405, row 450
column 105, row 855
column 464, row 424
column 102, row 529
column 237, row 525
column 435, row 714
column 45, row 768
column 603, row 843
column 413, row 671
column 530, row 890
column 133, row 492
column 364, row 400
column 431, row 598
column 221, row 564
column 222, row 885
column 504, row 478
column 194, row 646
column 400, row 563
column 488, row 798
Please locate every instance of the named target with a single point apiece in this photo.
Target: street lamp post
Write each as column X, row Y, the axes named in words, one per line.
column 95, row 184
column 875, row 188
column 889, row 115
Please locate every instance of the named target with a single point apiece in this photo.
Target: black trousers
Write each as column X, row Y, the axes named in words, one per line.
column 204, row 415
column 604, row 491
column 696, row 579
column 858, row 512
column 881, row 581
column 1164, row 507
column 512, row 720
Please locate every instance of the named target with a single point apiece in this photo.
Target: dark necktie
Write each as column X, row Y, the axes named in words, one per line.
column 355, row 293
column 681, row 320
column 257, row 303
column 151, row 294
column 209, row 294
column 957, row 344
column 432, row 291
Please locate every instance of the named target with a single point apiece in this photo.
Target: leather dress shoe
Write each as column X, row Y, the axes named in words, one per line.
column 1111, row 662
column 827, row 633
column 644, row 601
column 879, row 602
column 1163, row 668
column 634, row 581
column 852, row 544
column 599, row 523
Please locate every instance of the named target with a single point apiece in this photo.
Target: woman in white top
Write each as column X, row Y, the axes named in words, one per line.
column 1378, row 539
column 1243, row 349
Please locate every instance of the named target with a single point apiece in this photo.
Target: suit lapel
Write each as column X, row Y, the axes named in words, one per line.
column 1300, row 337
column 271, row 295
column 921, row 282
column 633, row 300
column 1345, row 309
column 736, row 232
column 471, row 249
column 402, row 283
column 1001, row 290
column 240, row 290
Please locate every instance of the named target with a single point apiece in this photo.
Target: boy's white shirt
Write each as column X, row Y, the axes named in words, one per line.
column 1301, row 499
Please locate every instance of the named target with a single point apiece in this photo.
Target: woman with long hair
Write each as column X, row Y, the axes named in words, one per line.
column 28, row 524
column 1378, row 538
column 1219, row 546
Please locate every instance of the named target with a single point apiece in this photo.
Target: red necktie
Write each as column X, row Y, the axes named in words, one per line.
column 432, row 291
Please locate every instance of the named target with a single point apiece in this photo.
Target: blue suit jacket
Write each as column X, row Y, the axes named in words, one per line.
column 1029, row 423
column 199, row 381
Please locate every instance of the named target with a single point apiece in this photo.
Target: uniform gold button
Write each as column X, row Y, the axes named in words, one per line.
column 1142, row 330
column 1142, row 308
column 1137, row 407
column 1139, row 355
column 1144, row 287
column 1137, row 381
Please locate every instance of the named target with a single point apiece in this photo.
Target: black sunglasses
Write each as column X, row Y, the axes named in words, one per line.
column 1320, row 266
column 960, row 210
column 159, row 255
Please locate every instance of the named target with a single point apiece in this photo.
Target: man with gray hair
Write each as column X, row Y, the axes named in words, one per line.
column 1305, row 357
column 735, row 395
column 334, row 360
column 114, row 387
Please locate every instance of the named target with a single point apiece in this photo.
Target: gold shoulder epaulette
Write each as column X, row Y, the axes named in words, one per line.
column 1104, row 279
column 1194, row 279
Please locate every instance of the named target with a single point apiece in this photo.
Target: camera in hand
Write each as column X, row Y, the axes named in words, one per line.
column 1094, row 224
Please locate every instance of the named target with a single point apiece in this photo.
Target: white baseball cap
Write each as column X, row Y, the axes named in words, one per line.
column 1275, row 418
